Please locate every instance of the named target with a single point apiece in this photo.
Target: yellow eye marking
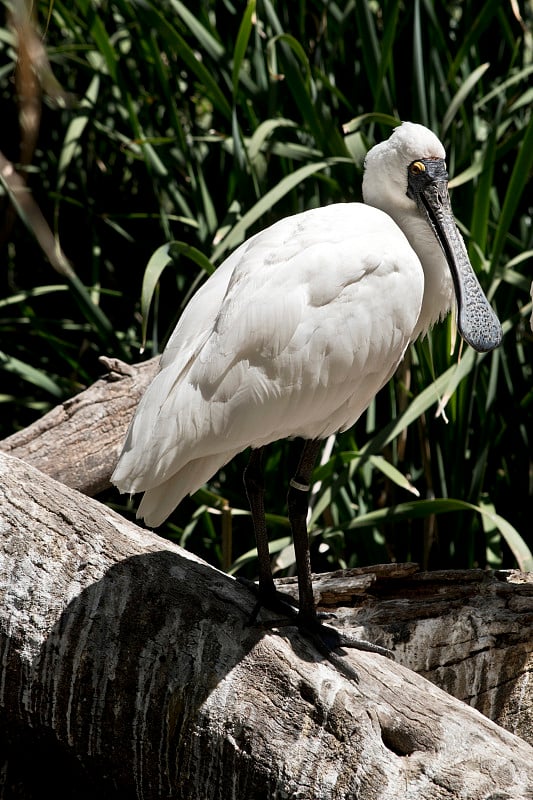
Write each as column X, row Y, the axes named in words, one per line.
column 417, row 167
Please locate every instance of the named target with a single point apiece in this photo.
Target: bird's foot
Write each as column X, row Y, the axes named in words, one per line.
column 325, row 638
column 332, row 639
column 328, row 640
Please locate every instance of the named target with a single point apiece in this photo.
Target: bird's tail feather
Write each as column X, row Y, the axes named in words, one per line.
column 160, row 501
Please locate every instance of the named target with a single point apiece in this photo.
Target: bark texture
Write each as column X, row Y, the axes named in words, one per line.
column 137, row 662
column 78, row 443
column 470, row 632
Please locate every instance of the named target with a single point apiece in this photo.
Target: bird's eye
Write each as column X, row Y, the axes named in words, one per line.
column 417, row 167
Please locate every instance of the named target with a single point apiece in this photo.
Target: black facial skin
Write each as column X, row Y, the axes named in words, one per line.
column 434, row 170
column 427, row 185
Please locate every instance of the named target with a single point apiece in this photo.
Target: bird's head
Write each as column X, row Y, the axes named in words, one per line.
column 406, row 177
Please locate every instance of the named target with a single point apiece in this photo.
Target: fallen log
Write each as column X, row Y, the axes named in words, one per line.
column 79, row 441
column 468, row 631
column 138, row 662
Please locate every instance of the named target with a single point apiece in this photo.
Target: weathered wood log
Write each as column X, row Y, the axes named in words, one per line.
column 79, row 441
column 469, row 632
column 484, row 658
column 137, row 659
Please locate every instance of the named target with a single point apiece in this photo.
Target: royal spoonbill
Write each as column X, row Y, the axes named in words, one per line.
column 296, row 332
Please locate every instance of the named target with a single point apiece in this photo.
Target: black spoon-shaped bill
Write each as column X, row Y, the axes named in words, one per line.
column 476, row 320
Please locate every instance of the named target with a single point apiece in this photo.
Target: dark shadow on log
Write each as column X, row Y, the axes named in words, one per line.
column 125, row 669
column 35, row 765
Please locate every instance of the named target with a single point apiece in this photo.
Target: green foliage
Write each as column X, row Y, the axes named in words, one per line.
column 191, row 131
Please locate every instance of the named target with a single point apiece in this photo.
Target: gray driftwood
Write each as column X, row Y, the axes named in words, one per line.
column 133, row 663
column 79, row 441
column 468, row 631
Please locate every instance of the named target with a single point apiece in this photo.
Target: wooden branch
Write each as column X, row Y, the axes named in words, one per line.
column 78, row 443
column 137, row 658
column 470, row 632
column 484, row 656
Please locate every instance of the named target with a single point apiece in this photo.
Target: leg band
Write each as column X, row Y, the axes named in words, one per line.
column 302, row 487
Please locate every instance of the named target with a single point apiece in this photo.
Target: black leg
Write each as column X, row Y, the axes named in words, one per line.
column 298, row 504
column 325, row 638
column 255, row 491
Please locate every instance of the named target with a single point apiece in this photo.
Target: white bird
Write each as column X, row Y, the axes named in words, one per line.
column 296, row 332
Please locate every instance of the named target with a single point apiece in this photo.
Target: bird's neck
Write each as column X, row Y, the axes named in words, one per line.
column 439, row 294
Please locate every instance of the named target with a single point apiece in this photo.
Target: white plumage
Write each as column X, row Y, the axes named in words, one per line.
column 297, row 330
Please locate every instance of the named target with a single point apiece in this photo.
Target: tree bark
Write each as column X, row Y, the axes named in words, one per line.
column 136, row 661
column 78, row 443
column 470, row 632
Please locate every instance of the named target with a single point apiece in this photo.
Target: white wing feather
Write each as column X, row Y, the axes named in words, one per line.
column 292, row 336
